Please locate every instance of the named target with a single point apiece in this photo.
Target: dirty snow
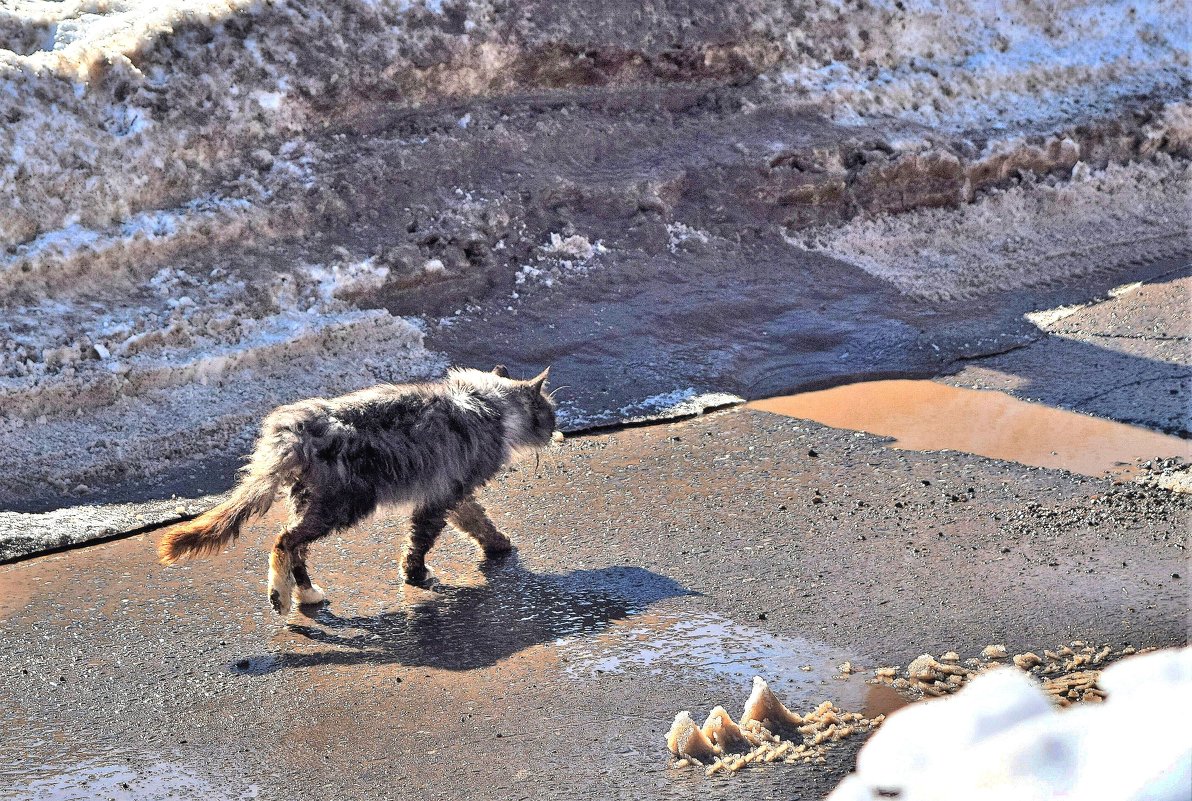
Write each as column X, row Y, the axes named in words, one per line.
column 1036, row 232
column 1000, row 64
column 558, row 258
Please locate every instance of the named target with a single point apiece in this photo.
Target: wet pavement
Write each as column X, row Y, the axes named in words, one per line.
column 658, row 569
column 1125, row 355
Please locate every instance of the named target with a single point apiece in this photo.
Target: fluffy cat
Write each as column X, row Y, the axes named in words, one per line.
column 427, row 447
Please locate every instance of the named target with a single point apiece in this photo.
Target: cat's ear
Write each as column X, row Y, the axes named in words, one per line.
column 500, row 370
column 538, row 381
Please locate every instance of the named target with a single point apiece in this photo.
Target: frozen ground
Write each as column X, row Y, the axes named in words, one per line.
column 206, row 220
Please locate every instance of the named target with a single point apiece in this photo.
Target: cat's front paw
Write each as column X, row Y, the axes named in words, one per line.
column 497, row 549
column 420, row 577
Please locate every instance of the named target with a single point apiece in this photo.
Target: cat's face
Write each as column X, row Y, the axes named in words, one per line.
column 541, row 408
column 542, row 416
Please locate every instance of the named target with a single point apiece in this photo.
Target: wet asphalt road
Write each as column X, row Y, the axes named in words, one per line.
column 658, row 570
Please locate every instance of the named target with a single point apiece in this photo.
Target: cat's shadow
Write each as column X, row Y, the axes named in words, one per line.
column 475, row 626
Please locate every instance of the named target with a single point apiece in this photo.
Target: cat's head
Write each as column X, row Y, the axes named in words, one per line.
column 539, row 406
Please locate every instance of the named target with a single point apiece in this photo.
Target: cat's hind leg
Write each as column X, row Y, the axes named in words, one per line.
column 469, row 517
column 305, row 591
column 281, row 574
column 426, row 524
column 288, row 576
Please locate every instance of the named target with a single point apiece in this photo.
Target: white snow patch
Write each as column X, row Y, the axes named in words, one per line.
column 1000, row 738
column 559, row 258
column 343, row 279
column 575, row 246
column 680, row 234
column 967, row 64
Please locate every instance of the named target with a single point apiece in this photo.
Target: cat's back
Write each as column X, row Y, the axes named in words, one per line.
column 415, row 406
column 385, row 406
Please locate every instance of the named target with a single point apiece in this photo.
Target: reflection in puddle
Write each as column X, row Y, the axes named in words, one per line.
column 882, row 699
column 714, row 645
column 470, row 626
column 113, row 778
column 924, row 415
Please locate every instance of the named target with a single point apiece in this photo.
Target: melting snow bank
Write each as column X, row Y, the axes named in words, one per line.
column 676, row 404
column 120, row 107
column 150, row 412
column 976, row 64
column 1036, row 232
column 183, row 367
column 1000, row 737
column 27, row 534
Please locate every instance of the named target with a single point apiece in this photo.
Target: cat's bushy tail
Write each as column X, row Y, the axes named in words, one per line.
column 274, row 459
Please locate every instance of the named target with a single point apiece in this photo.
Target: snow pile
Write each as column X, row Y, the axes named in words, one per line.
column 116, row 107
column 121, row 384
column 1001, row 738
column 1032, row 233
column 976, row 64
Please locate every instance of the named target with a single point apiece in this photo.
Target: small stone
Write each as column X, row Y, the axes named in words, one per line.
column 242, row 664
column 1027, row 661
column 923, row 669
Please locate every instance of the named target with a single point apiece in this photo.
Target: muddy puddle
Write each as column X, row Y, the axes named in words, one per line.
column 928, row 416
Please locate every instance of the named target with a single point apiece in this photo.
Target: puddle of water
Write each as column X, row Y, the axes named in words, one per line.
column 464, row 626
column 113, row 777
column 927, row 416
column 711, row 645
